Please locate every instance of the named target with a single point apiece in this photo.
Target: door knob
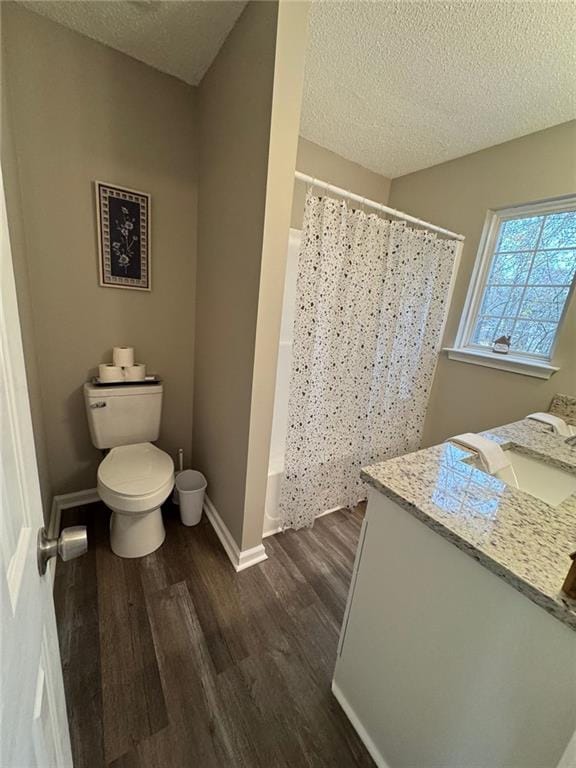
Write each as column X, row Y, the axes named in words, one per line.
column 71, row 543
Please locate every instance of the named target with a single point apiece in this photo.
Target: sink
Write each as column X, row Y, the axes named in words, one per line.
column 545, row 481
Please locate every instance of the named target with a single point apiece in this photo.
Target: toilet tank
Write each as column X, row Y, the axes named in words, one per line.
column 123, row 415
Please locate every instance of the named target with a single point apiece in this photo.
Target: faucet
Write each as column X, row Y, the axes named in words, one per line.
column 559, row 426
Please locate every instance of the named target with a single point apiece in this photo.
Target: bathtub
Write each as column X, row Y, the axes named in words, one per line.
column 278, row 440
column 272, row 522
column 280, row 419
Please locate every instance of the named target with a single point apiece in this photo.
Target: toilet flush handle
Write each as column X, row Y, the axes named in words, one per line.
column 99, row 404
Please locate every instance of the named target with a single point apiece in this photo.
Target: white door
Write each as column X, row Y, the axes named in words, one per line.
column 33, row 723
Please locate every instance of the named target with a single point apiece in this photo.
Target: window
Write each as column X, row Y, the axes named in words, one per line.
column 521, row 286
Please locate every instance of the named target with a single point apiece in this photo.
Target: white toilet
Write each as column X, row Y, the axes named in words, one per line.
column 135, row 477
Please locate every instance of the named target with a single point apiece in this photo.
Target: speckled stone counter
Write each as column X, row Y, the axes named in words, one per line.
column 565, row 407
column 515, row 535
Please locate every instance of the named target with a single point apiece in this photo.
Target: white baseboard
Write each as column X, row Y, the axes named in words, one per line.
column 66, row 501
column 240, row 559
column 358, row 727
column 274, row 531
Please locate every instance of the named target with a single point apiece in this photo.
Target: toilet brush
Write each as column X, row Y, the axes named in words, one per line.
column 175, row 498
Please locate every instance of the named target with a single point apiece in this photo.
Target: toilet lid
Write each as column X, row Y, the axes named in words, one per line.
column 135, row 470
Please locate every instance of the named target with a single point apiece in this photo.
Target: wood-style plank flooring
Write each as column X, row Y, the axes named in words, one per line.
column 176, row 661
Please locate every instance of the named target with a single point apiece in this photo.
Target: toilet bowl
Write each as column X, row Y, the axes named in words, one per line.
column 133, row 482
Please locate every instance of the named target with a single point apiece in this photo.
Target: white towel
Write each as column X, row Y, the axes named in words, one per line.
column 493, row 457
column 559, row 426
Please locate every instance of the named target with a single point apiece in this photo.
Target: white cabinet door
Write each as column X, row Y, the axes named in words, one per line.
column 33, row 723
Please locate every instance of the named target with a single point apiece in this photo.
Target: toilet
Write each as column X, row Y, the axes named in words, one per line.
column 135, row 477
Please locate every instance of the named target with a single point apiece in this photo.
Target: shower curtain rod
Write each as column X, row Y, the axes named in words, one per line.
column 373, row 204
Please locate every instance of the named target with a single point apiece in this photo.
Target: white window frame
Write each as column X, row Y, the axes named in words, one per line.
column 464, row 349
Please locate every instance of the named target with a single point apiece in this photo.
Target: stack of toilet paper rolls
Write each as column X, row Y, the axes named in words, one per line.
column 122, row 368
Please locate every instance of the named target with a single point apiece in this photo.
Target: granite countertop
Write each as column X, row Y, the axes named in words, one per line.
column 515, row 535
column 565, row 407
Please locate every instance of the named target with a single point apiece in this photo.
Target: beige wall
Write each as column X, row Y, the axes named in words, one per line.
column 80, row 111
column 457, row 195
column 17, row 243
column 326, row 165
column 235, row 108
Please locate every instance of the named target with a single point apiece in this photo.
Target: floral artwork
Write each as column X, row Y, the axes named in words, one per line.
column 123, row 234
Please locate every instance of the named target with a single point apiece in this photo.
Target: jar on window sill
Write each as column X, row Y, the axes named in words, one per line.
column 502, row 345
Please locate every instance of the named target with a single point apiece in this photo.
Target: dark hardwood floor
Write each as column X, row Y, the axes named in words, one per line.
column 176, row 661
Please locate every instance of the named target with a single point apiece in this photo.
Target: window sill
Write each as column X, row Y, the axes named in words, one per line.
column 511, row 363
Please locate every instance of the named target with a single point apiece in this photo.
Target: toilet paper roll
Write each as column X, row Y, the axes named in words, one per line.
column 107, row 372
column 136, row 372
column 123, row 356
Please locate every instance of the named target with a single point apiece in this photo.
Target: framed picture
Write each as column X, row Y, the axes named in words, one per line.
column 123, row 237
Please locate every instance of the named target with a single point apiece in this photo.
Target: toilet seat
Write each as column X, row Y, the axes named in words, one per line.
column 135, row 478
column 135, row 470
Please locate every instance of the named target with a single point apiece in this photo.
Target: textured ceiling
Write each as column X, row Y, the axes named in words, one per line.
column 180, row 38
column 400, row 86
column 394, row 85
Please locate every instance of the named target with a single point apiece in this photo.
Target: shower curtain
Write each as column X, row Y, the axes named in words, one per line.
column 371, row 300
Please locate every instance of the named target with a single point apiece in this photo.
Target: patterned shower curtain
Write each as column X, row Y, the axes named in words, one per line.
column 371, row 299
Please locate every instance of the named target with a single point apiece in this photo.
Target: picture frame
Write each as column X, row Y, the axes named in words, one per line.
column 123, row 221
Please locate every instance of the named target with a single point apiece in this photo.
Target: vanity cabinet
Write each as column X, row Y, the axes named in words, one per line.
column 443, row 663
